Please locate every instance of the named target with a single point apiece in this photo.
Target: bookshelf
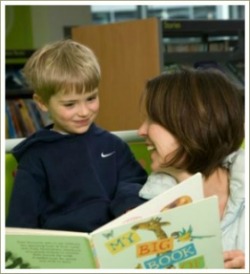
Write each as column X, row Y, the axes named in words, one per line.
column 228, row 33
column 206, row 42
column 22, row 116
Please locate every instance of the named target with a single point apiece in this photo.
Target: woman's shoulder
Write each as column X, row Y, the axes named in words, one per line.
column 236, row 169
column 235, row 161
column 156, row 183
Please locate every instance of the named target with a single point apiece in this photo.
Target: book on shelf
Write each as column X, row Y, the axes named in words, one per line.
column 14, row 114
column 177, row 229
column 10, row 127
column 24, row 118
column 34, row 114
column 185, row 47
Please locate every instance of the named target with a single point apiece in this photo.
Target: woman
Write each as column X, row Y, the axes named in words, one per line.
column 195, row 123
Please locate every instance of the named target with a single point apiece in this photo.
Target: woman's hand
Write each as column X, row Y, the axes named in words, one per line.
column 234, row 259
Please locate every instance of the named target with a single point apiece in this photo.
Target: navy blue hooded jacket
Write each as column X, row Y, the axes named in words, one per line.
column 73, row 182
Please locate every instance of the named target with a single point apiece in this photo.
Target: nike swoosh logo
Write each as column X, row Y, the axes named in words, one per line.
column 105, row 155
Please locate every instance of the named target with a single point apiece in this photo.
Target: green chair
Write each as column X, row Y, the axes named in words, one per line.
column 141, row 153
column 243, row 144
column 10, row 168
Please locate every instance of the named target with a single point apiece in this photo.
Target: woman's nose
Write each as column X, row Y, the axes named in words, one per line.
column 142, row 130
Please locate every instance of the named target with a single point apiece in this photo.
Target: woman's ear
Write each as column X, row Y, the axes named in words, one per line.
column 40, row 103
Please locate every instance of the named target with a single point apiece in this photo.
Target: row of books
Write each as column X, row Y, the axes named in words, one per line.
column 23, row 118
column 234, row 70
column 185, row 45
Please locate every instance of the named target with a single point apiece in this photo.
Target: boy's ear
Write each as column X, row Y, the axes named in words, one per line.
column 40, row 103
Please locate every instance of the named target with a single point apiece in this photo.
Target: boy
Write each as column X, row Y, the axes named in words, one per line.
column 72, row 175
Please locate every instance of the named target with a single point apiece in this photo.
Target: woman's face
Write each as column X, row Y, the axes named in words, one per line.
column 159, row 141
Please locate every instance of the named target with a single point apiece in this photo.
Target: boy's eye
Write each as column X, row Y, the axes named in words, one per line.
column 91, row 98
column 69, row 104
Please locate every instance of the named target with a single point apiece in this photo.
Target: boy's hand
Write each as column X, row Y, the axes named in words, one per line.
column 234, row 259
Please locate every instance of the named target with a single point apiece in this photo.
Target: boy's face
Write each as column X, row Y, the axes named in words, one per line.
column 73, row 113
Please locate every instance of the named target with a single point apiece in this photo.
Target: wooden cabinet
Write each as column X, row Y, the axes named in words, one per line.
column 129, row 53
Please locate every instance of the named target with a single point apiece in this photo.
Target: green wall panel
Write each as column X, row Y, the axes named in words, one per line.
column 18, row 28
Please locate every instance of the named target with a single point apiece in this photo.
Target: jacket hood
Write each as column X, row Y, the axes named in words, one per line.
column 46, row 135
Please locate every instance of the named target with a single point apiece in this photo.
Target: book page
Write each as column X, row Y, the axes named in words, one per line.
column 36, row 248
column 185, row 192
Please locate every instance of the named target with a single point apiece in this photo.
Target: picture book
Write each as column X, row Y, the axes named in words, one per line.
column 159, row 234
column 186, row 192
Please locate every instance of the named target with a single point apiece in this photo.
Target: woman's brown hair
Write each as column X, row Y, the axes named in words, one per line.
column 203, row 110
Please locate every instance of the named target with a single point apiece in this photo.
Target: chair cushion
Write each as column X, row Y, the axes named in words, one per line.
column 10, row 168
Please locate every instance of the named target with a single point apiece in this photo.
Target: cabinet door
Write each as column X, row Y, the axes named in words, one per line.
column 129, row 53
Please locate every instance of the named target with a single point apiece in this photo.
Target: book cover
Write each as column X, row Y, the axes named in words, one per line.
column 158, row 234
column 188, row 236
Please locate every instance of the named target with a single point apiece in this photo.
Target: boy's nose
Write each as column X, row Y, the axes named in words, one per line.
column 83, row 110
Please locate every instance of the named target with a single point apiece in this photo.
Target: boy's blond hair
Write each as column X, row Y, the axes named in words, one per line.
column 62, row 66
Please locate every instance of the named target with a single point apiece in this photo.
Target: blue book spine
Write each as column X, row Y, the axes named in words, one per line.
column 11, row 127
